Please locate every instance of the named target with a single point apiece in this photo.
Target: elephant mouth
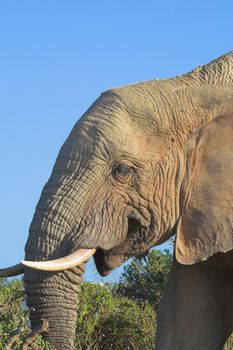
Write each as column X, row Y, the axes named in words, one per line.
column 106, row 261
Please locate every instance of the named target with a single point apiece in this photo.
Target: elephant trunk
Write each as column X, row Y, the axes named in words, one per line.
column 62, row 223
column 53, row 297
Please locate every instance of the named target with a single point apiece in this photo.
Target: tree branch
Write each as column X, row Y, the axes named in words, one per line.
column 14, row 337
column 30, row 338
column 11, row 300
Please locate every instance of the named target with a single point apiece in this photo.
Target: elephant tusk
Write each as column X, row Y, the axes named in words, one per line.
column 71, row 260
column 12, row 271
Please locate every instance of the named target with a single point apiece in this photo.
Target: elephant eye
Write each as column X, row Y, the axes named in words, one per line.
column 122, row 171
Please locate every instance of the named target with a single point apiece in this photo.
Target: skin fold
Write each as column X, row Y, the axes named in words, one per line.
column 145, row 162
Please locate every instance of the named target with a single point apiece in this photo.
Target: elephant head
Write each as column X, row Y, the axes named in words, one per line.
column 123, row 182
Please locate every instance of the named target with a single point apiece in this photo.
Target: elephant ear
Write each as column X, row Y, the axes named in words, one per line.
column 206, row 222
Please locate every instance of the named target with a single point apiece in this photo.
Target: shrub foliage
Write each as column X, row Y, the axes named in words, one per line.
column 108, row 321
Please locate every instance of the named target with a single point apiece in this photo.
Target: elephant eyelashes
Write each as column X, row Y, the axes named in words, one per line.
column 122, row 172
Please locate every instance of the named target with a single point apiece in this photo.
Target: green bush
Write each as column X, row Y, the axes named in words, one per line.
column 229, row 344
column 145, row 279
column 107, row 321
column 14, row 317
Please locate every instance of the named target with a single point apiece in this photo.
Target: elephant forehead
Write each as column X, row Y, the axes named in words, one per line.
column 112, row 140
column 108, row 129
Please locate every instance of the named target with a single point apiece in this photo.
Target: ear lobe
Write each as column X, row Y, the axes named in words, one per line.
column 206, row 223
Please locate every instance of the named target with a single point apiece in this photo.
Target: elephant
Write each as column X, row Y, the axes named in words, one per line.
column 146, row 162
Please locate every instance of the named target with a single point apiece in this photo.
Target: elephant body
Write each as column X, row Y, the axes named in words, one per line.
column 145, row 162
column 196, row 311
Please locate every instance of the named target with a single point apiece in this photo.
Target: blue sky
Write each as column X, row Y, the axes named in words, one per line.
column 56, row 57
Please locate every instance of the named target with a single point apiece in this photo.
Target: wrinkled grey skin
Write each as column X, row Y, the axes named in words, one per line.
column 120, row 184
